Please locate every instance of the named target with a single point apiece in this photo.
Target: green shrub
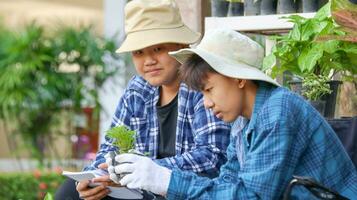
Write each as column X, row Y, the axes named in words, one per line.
column 28, row 186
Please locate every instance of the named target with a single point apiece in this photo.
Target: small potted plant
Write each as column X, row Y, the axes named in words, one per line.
column 124, row 141
column 315, row 87
column 302, row 52
column 124, row 138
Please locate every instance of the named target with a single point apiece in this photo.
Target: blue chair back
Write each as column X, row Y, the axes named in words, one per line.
column 346, row 129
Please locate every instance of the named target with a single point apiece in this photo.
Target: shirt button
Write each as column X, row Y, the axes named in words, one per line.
column 227, row 178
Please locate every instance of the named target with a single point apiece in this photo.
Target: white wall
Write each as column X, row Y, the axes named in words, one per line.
column 113, row 88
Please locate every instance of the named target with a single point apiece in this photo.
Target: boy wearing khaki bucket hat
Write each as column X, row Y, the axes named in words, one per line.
column 170, row 120
column 275, row 133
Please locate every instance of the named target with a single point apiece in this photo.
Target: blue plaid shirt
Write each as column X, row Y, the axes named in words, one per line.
column 201, row 138
column 285, row 136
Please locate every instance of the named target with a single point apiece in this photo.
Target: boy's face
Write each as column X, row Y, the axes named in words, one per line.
column 155, row 65
column 223, row 95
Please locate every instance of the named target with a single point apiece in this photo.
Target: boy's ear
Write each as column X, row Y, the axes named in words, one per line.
column 241, row 83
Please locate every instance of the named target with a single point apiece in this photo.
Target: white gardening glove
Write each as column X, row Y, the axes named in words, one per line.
column 144, row 173
column 110, row 160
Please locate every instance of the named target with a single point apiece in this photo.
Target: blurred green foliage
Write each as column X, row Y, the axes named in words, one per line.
column 29, row 186
column 43, row 73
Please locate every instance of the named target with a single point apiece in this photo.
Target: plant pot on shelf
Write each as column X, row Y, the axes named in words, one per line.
column 235, row 9
column 331, row 99
column 296, row 86
column 251, row 7
column 286, row 6
column 319, row 105
column 307, row 6
column 219, row 8
column 268, row 7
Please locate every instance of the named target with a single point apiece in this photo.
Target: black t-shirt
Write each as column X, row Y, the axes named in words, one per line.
column 167, row 116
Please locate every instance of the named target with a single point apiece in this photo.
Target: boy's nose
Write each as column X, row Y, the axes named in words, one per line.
column 149, row 61
column 207, row 102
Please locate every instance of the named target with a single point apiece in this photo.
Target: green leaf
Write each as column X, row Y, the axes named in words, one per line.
column 295, row 33
column 307, row 30
column 323, row 12
column 329, row 46
column 49, row 196
column 268, row 62
column 308, row 59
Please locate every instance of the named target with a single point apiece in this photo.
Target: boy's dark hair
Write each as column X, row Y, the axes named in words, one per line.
column 194, row 72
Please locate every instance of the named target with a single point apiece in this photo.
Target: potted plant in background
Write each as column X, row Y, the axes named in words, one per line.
column 302, row 53
column 219, row 8
column 307, row 6
column 268, row 7
column 287, row 6
column 315, row 87
column 251, row 7
column 235, row 8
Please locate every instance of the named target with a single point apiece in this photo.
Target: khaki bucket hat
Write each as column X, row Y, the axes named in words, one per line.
column 149, row 22
column 229, row 53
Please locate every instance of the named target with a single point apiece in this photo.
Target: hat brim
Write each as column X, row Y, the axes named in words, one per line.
column 230, row 68
column 142, row 39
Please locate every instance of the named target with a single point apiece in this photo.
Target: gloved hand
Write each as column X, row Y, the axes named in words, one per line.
column 110, row 160
column 144, row 173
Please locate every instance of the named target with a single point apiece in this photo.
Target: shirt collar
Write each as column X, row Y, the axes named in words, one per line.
column 263, row 93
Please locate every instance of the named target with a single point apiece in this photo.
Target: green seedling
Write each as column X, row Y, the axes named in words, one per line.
column 124, row 138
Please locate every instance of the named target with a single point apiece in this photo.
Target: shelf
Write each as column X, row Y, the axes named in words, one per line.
column 261, row 24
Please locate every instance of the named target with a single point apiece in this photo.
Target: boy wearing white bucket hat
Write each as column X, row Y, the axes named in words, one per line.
column 275, row 133
column 170, row 120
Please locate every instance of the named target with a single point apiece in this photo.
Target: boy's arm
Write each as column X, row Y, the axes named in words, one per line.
column 267, row 168
column 187, row 185
column 210, row 137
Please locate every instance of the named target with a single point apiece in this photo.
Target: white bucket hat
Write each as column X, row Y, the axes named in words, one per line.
column 229, row 53
column 149, row 22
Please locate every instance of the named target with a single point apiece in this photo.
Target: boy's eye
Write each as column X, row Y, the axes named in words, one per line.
column 208, row 89
column 136, row 53
column 157, row 49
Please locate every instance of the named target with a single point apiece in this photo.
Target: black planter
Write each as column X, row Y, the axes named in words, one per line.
column 219, row 8
column 251, row 8
column 296, row 86
column 307, row 6
column 321, row 3
column 319, row 105
column 331, row 99
column 235, row 9
column 268, row 7
column 286, row 6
